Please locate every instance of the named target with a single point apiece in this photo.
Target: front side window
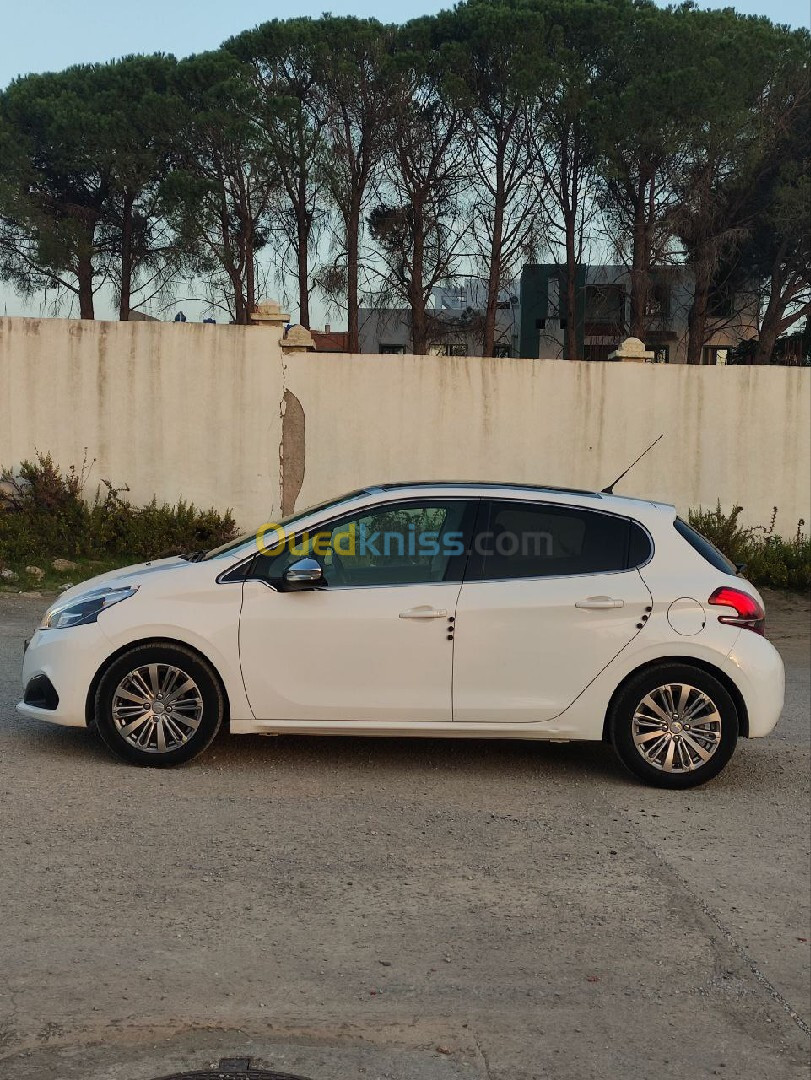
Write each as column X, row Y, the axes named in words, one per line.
column 529, row 540
column 414, row 542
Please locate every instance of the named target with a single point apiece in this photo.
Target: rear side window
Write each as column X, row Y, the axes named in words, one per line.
column 529, row 540
column 705, row 549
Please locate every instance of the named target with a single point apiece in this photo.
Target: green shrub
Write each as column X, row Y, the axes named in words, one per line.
column 770, row 559
column 44, row 514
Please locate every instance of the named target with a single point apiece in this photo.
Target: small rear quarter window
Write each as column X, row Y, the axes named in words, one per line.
column 639, row 546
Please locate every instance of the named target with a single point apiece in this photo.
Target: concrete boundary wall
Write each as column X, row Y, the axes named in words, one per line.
column 224, row 416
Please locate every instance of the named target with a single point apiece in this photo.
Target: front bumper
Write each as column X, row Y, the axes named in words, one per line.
column 69, row 660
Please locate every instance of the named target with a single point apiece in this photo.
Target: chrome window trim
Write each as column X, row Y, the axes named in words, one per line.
column 342, row 588
column 553, row 577
column 461, row 497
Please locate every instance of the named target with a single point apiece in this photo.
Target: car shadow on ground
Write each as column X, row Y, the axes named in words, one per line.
column 387, row 759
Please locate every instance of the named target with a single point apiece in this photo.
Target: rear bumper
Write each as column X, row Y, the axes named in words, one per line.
column 757, row 669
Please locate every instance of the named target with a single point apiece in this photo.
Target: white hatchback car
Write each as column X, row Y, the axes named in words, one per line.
column 436, row 609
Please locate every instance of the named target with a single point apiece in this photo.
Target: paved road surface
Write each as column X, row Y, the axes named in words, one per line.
column 402, row 910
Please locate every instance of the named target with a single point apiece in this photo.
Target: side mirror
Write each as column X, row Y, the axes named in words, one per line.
column 302, row 574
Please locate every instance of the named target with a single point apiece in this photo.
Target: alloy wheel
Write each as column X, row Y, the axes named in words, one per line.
column 157, row 708
column 676, row 728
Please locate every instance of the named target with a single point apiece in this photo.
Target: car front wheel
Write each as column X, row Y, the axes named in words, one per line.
column 674, row 726
column 158, row 705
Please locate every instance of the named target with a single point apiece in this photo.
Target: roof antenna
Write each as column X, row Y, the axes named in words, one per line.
column 610, row 489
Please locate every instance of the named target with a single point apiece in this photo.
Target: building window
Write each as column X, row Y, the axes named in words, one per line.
column 657, row 304
column 597, row 351
column 715, row 354
column 721, row 303
column 605, row 304
column 391, row 350
column 458, row 348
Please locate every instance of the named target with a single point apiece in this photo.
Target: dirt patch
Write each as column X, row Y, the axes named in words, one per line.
column 788, row 618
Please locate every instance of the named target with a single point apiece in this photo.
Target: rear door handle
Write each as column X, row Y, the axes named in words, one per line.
column 424, row 612
column 599, row 603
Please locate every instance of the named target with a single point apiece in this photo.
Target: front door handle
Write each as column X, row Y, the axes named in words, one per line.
column 599, row 603
column 424, row 612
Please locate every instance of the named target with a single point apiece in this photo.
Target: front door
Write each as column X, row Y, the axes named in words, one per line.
column 374, row 644
column 549, row 600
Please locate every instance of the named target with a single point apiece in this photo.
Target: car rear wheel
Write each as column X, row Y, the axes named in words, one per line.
column 674, row 726
column 158, row 705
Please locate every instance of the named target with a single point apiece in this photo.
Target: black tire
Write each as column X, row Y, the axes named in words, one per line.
column 622, row 727
column 206, row 699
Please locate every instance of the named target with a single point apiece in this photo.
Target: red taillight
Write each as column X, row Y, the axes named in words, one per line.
column 749, row 614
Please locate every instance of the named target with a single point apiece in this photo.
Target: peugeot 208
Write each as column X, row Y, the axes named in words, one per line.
column 433, row 609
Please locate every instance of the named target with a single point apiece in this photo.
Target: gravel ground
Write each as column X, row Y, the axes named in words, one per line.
column 402, row 910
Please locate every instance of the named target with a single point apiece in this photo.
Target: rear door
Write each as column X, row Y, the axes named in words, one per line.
column 551, row 596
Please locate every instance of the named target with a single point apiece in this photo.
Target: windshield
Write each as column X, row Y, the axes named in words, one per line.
column 288, row 524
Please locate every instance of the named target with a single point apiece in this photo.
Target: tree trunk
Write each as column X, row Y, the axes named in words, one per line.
column 493, row 283
column 84, row 274
column 697, row 317
column 302, row 253
column 250, row 271
column 771, row 325
column 419, row 328
column 247, row 260
column 352, row 262
column 571, row 288
column 240, row 308
column 419, row 322
column 640, row 267
column 766, row 343
column 126, row 258
column 303, row 276
column 494, row 278
column 230, row 264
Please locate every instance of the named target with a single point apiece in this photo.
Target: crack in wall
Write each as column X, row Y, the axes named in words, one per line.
column 291, row 450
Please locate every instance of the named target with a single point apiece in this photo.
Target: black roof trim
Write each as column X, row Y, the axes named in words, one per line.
column 489, row 485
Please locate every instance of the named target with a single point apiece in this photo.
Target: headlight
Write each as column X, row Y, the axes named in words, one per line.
column 86, row 608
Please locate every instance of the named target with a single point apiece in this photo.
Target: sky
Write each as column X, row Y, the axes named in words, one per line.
column 48, row 35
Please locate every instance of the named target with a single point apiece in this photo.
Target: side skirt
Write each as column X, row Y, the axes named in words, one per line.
column 553, row 730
